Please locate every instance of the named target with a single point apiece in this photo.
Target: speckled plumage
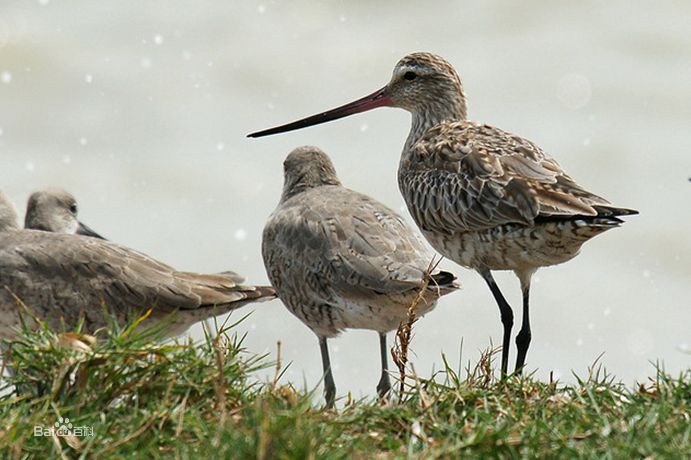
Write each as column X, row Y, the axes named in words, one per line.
column 63, row 277
column 340, row 259
column 483, row 197
column 488, row 199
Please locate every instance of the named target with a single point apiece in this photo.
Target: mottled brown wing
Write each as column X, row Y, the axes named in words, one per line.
column 345, row 240
column 473, row 177
column 123, row 276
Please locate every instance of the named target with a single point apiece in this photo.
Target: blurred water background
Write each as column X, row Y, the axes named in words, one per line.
column 141, row 110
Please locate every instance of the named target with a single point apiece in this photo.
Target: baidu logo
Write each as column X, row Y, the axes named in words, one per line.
column 63, row 427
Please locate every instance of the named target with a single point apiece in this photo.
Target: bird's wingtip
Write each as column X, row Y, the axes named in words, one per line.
column 445, row 279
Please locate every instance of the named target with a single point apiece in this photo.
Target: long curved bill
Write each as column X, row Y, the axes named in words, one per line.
column 86, row 231
column 379, row 98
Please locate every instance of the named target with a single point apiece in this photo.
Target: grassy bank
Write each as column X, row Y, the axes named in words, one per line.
column 146, row 400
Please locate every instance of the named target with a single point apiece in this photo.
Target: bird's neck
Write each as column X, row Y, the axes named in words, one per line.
column 448, row 109
column 8, row 227
column 420, row 124
column 304, row 183
column 8, row 219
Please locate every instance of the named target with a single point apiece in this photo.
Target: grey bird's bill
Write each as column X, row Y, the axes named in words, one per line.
column 379, row 98
column 84, row 229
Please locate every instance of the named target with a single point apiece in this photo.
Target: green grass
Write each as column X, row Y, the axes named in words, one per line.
column 163, row 400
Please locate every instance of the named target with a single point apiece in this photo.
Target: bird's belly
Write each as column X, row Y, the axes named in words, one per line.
column 60, row 305
column 384, row 314
column 379, row 313
column 508, row 247
column 56, row 304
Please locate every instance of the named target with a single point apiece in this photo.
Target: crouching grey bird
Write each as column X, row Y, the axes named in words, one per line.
column 340, row 260
column 55, row 210
column 64, row 278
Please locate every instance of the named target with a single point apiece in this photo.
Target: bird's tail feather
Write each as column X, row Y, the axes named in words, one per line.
column 443, row 282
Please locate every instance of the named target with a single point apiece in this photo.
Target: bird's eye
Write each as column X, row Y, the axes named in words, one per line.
column 73, row 209
column 409, row 75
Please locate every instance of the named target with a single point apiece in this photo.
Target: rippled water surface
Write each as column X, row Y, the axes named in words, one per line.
column 141, row 110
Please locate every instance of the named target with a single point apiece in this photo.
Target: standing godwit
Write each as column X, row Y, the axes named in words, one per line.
column 64, row 278
column 55, row 210
column 485, row 198
column 339, row 259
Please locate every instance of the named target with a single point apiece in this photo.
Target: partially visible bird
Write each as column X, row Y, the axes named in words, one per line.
column 483, row 197
column 65, row 278
column 340, row 260
column 55, row 210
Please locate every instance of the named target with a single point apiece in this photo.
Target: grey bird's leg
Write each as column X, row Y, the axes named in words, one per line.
column 329, row 385
column 524, row 335
column 384, row 385
column 506, row 318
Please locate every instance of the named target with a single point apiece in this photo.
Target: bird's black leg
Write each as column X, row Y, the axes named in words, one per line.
column 524, row 336
column 506, row 318
column 384, row 384
column 329, row 385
